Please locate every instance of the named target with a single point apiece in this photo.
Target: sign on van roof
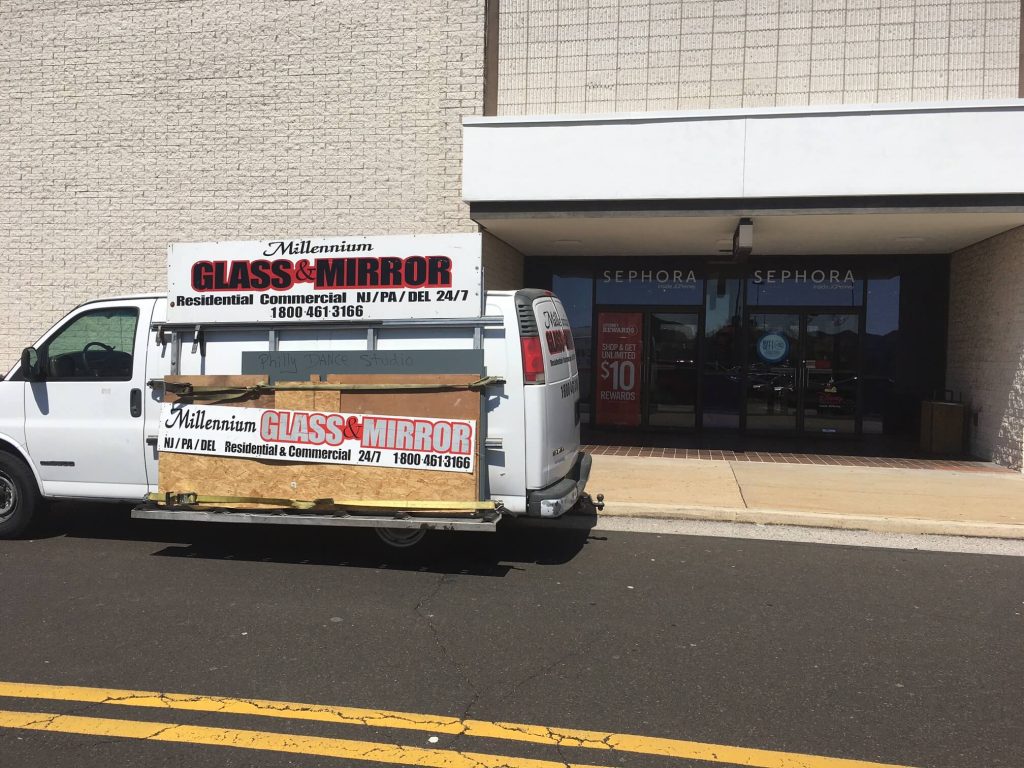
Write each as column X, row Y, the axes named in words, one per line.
column 325, row 279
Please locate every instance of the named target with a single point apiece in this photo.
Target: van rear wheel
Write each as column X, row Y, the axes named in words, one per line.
column 19, row 497
column 401, row 538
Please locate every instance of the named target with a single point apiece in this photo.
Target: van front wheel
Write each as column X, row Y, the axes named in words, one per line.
column 19, row 497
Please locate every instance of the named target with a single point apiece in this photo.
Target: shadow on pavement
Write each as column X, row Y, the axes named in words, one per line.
column 513, row 546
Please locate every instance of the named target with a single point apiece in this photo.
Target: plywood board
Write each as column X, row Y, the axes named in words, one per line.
column 439, row 404
column 236, row 476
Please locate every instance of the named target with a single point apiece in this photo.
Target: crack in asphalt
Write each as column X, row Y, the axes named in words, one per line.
column 446, row 653
column 565, row 656
column 458, row 728
column 420, row 611
column 163, row 730
column 372, row 719
column 45, row 721
column 559, row 740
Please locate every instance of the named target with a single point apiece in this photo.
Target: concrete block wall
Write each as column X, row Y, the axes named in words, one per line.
column 127, row 126
column 503, row 264
column 985, row 358
column 580, row 56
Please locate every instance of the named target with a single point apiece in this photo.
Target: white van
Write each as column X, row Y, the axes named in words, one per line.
column 79, row 416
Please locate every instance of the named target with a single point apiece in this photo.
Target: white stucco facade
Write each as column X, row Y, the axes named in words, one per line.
column 910, row 149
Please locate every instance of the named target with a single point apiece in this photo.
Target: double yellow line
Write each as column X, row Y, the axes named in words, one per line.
column 376, row 718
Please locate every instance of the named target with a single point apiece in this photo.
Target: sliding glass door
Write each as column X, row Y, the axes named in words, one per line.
column 802, row 372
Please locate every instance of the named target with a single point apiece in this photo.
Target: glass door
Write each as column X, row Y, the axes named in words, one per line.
column 802, row 372
column 773, row 365
column 829, row 372
column 672, row 369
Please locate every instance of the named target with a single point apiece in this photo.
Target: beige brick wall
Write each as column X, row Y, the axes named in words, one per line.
column 127, row 125
column 503, row 264
column 578, row 56
column 986, row 344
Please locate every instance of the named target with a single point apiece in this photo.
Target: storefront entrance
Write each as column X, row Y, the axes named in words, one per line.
column 803, row 371
column 815, row 348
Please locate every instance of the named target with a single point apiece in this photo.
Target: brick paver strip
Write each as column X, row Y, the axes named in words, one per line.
column 702, row 454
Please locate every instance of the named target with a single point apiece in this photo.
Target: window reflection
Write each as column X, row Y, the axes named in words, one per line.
column 670, row 286
column 882, row 325
column 805, row 287
column 672, row 400
column 722, row 382
column 722, row 326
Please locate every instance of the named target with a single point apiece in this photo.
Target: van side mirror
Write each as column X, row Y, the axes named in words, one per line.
column 31, row 366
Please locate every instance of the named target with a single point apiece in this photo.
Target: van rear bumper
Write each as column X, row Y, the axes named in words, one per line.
column 559, row 498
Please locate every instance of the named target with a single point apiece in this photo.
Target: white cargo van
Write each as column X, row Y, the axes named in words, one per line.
column 79, row 416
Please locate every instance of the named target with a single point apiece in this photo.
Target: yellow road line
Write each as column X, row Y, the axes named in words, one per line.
column 379, row 718
column 271, row 742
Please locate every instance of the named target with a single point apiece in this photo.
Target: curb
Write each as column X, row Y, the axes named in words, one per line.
column 840, row 521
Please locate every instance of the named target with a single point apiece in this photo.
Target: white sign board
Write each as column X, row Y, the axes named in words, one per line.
column 403, row 442
column 325, row 279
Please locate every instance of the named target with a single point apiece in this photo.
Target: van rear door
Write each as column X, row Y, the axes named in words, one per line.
column 552, row 399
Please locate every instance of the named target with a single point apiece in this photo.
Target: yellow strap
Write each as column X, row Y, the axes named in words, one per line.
column 188, row 498
column 197, row 391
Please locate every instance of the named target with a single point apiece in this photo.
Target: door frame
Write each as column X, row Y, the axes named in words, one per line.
column 802, row 312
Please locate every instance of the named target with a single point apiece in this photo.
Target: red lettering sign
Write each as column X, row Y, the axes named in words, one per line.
column 620, row 349
column 350, row 272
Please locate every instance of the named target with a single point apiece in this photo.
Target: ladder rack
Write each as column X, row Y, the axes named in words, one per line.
column 176, row 331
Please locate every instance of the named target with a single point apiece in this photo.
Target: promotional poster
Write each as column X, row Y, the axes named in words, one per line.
column 619, row 356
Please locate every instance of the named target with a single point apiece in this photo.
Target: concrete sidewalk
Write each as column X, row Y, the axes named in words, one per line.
column 863, row 498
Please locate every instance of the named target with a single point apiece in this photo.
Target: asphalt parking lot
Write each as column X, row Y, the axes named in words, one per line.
column 618, row 648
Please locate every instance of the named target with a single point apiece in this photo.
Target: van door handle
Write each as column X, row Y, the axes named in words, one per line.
column 135, row 403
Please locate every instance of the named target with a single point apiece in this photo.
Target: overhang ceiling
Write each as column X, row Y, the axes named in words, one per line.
column 551, row 233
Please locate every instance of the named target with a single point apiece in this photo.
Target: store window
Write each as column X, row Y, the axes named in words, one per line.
column 882, row 325
column 881, row 351
column 873, row 327
column 723, row 371
column 576, row 290
column 668, row 286
column 798, row 286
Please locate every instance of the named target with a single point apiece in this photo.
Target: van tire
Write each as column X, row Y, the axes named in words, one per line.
column 401, row 538
column 19, row 497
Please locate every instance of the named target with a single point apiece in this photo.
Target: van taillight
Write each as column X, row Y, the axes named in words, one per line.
column 533, row 360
